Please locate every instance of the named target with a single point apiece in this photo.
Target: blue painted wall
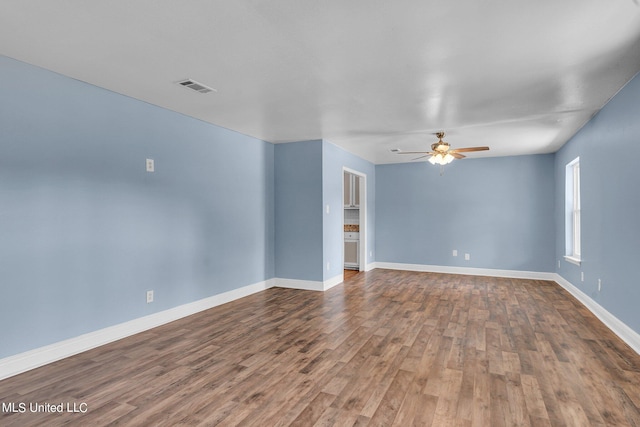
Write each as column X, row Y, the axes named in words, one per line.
column 308, row 176
column 334, row 159
column 298, row 204
column 610, row 205
column 498, row 210
column 85, row 231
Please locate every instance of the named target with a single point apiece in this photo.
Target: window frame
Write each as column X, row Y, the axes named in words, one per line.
column 573, row 213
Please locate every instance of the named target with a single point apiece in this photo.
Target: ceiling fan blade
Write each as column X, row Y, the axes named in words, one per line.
column 426, row 155
column 457, row 155
column 468, row 149
column 413, row 152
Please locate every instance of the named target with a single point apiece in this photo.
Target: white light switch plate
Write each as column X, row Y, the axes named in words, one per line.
column 150, row 165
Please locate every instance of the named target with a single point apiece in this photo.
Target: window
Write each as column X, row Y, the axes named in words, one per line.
column 572, row 212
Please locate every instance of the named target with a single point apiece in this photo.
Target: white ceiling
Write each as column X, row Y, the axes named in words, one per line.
column 368, row 75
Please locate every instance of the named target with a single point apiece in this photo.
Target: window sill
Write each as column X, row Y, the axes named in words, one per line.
column 572, row 260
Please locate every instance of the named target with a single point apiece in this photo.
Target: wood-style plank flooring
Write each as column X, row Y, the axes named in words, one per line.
column 348, row 274
column 385, row 348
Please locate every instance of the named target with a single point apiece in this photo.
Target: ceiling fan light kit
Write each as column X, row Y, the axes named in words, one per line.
column 441, row 152
column 440, row 159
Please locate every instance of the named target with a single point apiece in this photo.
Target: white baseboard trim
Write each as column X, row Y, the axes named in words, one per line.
column 471, row 271
column 32, row 359
column 305, row 285
column 628, row 335
column 370, row 266
column 310, row 285
column 334, row 281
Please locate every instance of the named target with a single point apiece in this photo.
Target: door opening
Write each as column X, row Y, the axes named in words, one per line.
column 354, row 220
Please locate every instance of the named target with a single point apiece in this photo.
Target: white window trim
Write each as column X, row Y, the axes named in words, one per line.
column 572, row 260
column 573, row 221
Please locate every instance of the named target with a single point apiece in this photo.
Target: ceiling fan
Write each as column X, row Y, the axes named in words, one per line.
column 441, row 152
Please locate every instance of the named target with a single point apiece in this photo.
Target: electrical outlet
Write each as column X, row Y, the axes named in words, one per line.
column 149, row 296
column 455, row 252
column 150, row 165
column 467, row 257
column 558, row 263
column 582, row 276
column 327, row 208
column 599, row 285
column 370, row 254
column 328, row 266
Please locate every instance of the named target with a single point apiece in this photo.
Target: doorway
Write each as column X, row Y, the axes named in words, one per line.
column 354, row 224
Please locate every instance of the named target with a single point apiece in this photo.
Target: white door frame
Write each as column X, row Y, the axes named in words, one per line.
column 363, row 217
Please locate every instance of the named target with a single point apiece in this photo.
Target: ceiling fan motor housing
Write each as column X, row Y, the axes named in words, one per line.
column 440, row 146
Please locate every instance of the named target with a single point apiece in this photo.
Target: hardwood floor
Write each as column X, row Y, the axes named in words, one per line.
column 386, row 348
column 349, row 274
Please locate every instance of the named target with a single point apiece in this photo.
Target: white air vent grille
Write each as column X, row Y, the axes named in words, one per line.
column 198, row 87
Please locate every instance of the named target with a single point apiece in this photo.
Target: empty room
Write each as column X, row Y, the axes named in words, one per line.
column 254, row 213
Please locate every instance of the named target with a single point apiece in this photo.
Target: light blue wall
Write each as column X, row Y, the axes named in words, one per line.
column 308, row 176
column 85, row 231
column 334, row 159
column 498, row 210
column 298, row 205
column 609, row 151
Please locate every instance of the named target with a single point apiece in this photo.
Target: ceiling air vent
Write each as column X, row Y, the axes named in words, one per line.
column 198, row 87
